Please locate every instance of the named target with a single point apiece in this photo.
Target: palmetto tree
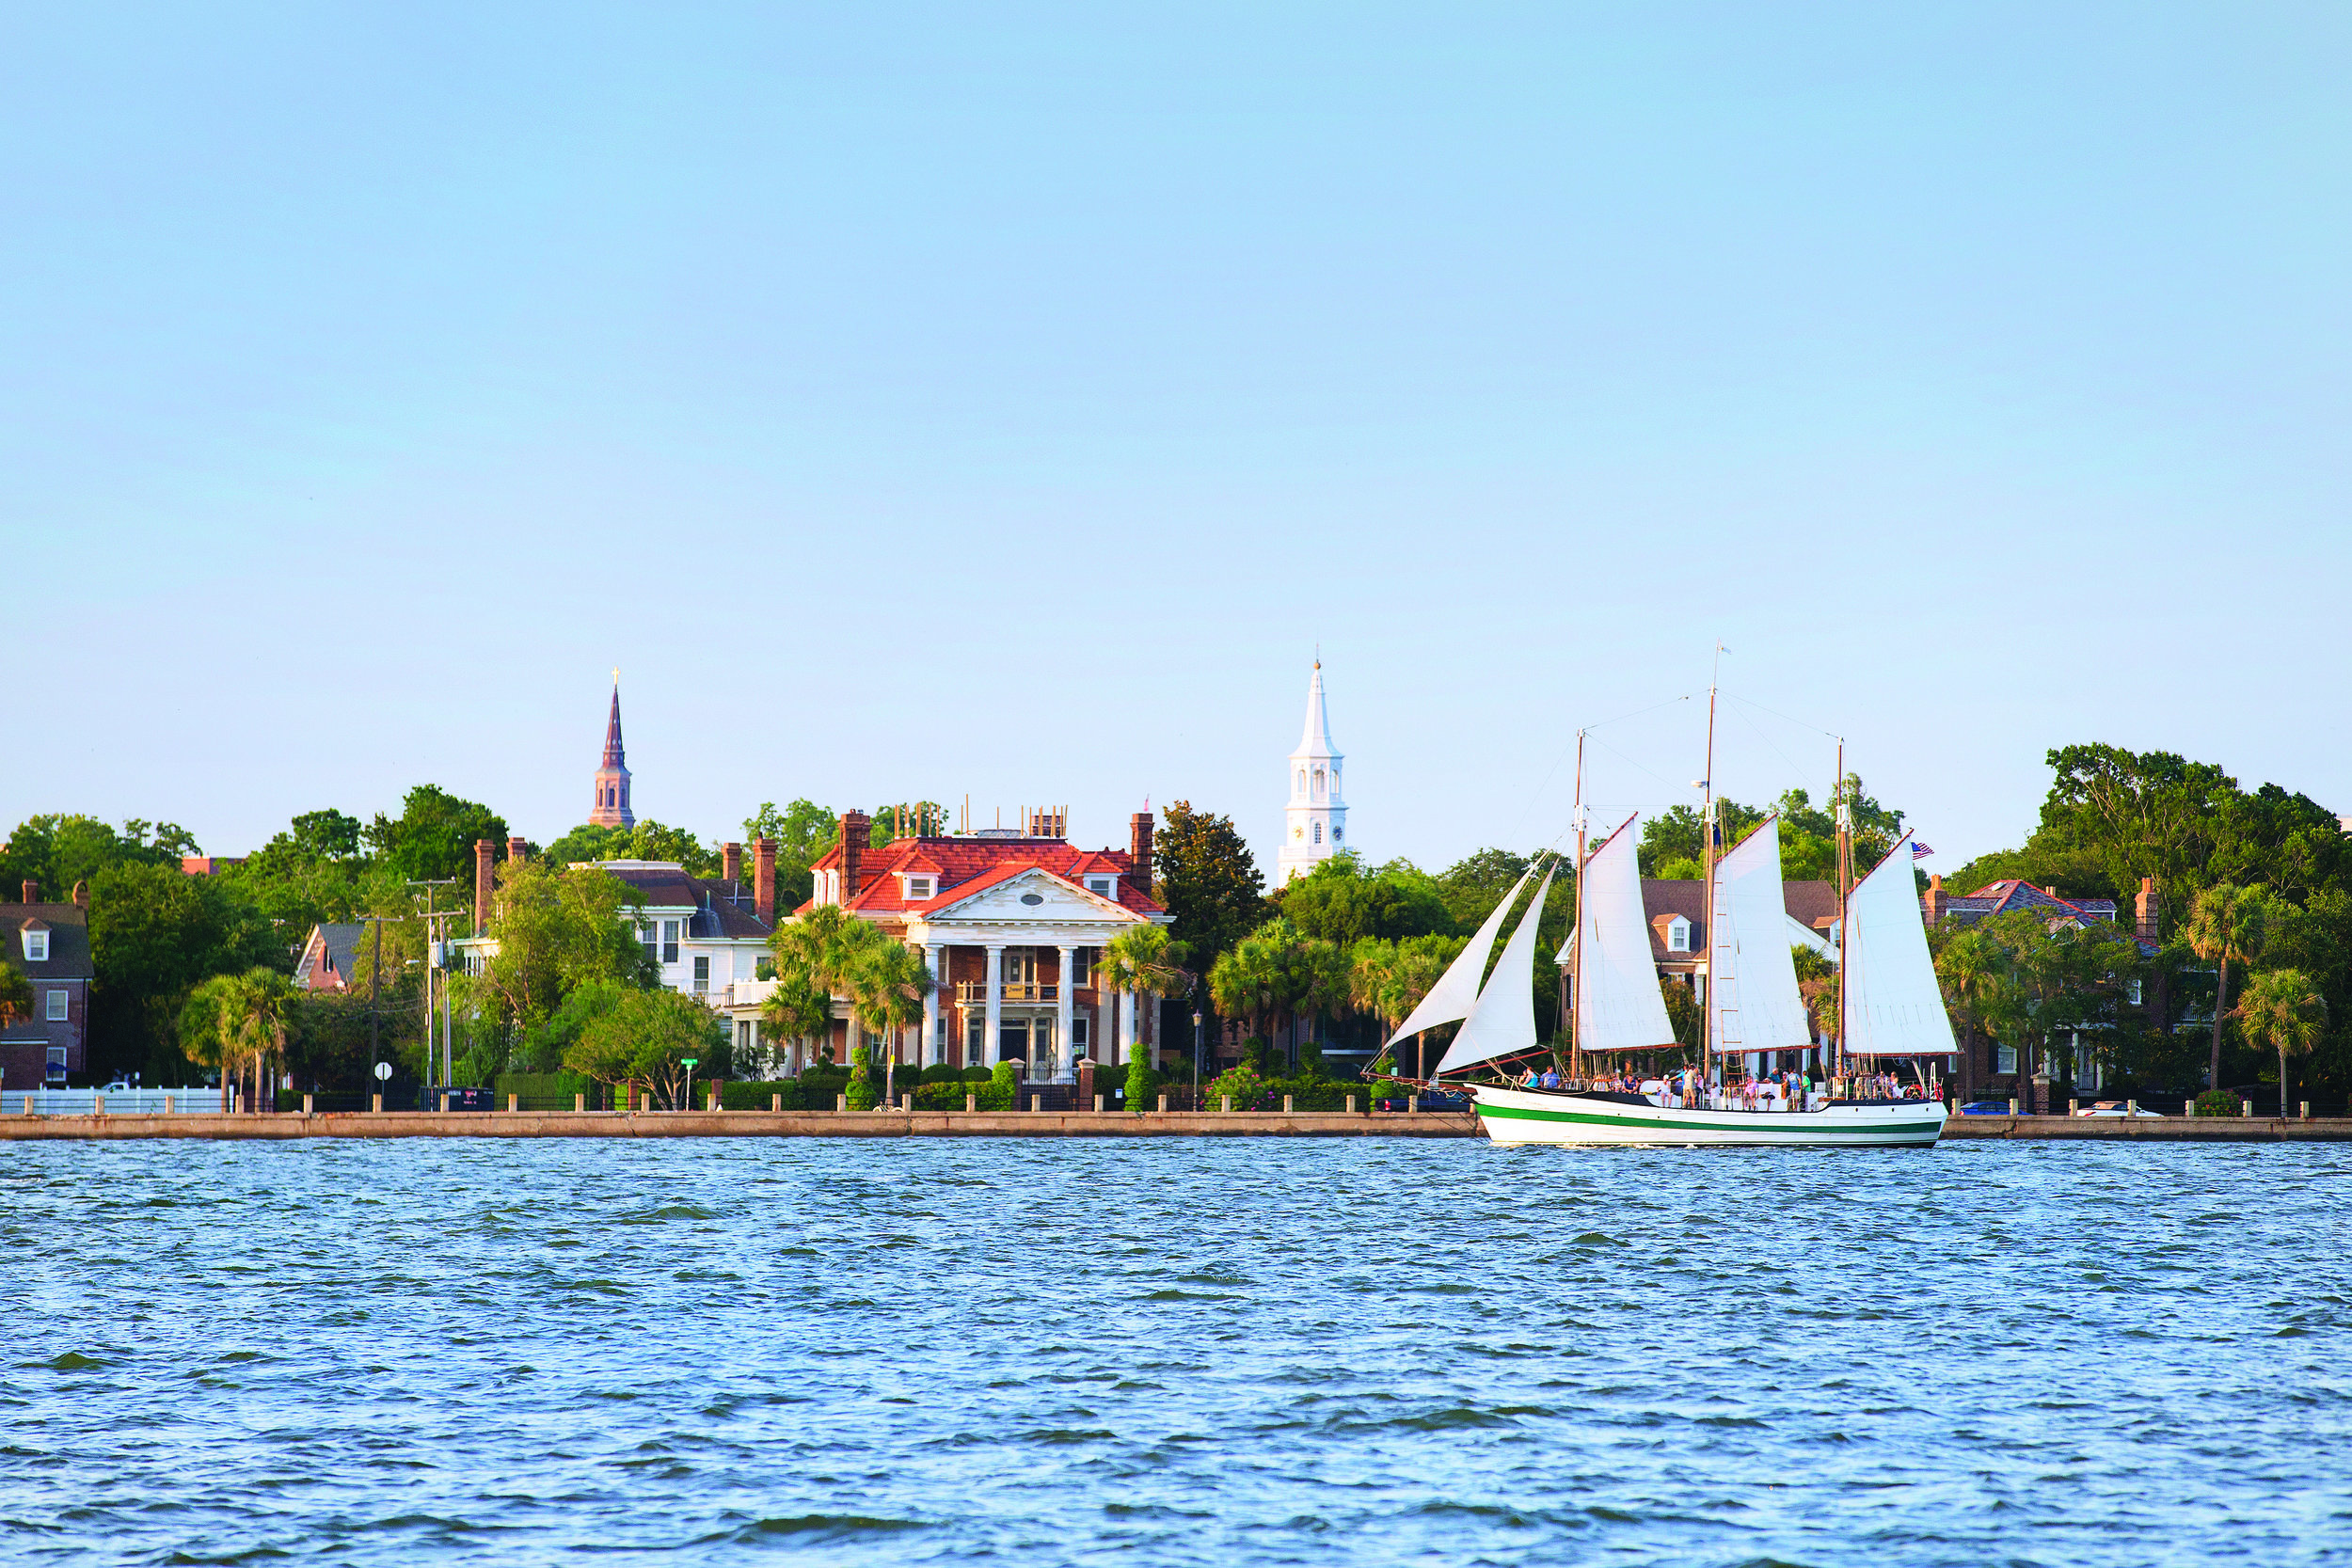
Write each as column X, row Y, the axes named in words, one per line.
column 2228, row 923
column 236, row 1022
column 2281, row 1007
column 1141, row 961
column 816, row 958
column 1970, row 968
column 1246, row 982
column 887, row 985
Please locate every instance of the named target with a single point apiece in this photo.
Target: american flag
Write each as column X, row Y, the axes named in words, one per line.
column 1920, row 852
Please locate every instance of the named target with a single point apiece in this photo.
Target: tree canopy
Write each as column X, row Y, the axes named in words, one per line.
column 1341, row 902
column 432, row 837
column 1205, row 877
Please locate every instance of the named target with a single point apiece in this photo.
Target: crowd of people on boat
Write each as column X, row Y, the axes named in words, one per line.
column 1770, row 1091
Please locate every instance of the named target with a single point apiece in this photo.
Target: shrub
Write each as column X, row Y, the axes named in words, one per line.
column 945, row 1096
column 1244, row 1083
column 755, row 1096
column 1140, row 1085
column 976, row 1075
column 2217, row 1102
column 862, row 1092
column 1000, row 1091
column 1110, row 1080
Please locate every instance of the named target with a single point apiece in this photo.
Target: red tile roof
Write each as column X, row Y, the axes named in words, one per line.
column 964, row 866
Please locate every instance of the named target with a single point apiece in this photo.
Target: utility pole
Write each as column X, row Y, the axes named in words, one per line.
column 433, row 962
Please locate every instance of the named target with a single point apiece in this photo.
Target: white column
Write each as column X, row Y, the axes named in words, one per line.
column 1066, row 1053
column 934, row 1052
column 994, row 1044
column 1128, row 1006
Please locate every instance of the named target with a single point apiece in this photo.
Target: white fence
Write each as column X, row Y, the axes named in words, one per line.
column 117, row 1102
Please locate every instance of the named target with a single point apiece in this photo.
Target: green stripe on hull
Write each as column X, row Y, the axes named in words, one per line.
column 1595, row 1118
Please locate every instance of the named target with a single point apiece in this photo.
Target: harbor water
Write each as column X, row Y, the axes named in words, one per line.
column 1064, row 1350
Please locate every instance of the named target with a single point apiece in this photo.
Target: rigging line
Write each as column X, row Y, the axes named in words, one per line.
column 1623, row 757
column 1768, row 741
column 1553, row 770
column 1777, row 714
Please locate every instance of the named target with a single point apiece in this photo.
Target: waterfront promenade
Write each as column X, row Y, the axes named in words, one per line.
column 1037, row 1124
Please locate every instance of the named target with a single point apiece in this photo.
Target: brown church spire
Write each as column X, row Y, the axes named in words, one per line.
column 612, row 809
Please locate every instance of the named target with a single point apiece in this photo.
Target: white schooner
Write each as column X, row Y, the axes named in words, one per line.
column 1889, row 1005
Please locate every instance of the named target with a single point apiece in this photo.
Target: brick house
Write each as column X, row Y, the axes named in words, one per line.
column 1010, row 921
column 329, row 957
column 50, row 944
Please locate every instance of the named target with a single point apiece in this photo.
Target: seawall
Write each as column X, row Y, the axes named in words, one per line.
column 2225, row 1129
column 755, row 1124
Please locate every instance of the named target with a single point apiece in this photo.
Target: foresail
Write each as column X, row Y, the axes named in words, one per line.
column 1893, row 1005
column 1751, row 977
column 1503, row 1022
column 1618, row 1006
column 1457, row 991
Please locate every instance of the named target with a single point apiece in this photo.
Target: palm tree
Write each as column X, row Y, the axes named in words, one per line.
column 2282, row 1008
column 797, row 1009
column 1244, row 982
column 819, row 953
column 886, row 991
column 1968, row 968
column 236, row 1022
column 2227, row 922
column 1140, row 961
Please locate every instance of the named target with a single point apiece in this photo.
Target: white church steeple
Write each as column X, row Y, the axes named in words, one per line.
column 1314, row 823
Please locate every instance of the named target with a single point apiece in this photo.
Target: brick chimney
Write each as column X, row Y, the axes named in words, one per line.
column 1139, row 847
column 764, row 878
column 856, row 827
column 517, row 848
column 483, row 850
column 731, row 862
column 2144, row 911
column 1935, row 899
column 81, row 894
column 32, row 891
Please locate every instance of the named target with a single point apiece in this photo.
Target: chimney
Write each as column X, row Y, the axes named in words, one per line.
column 856, row 827
column 764, row 878
column 1139, row 847
column 517, row 848
column 2144, row 911
column 1935, row 900
column 483, row 849
column 731, row 862
column 81, row 894
column 32, row 891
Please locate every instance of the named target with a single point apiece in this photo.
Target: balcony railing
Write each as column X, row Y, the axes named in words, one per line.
column 975, row 992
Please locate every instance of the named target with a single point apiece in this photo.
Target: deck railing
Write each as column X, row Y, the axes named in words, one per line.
column 975, row 992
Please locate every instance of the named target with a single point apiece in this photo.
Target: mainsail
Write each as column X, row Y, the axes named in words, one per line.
column 1893, row 1005
column 1618, row 1006
column 1751, row 978
column 1457, row 991
column 1503, row 1021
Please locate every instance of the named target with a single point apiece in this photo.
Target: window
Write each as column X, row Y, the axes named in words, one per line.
column 1099, row 886
column 57, row 1063
column 918, row 888
column 702, row 975
column 1678, row 934
column 1302, row 781
column 2134, row 990
column 975, row 1026
column 1081, row 966
column 1318, row 784
column 645, row 940
column 56, row 1007
column 669, row 942
column 1079, row 1035
column 1318, row 833
column 36, row 947
column 938, row 1032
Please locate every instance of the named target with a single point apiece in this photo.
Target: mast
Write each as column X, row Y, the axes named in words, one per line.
column 1575, row 951
column 1845, row 885
column 1706, row 835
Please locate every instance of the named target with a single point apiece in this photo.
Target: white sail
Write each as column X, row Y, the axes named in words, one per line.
column 1618, row 1006
column 1751, row 979
column 1503, row 1022
column 1893, row 1005
column 1457, row 991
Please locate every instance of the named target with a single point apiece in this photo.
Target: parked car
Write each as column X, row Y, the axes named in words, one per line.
column 2118, row 1108
column 1985, row 1108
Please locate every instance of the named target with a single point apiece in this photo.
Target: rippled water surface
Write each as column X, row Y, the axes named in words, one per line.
column 1230, row 1352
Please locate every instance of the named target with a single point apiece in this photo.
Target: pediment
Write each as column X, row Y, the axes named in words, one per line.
column 1034, row 894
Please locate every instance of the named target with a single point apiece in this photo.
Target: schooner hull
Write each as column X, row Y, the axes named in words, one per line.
column 1532, row 1116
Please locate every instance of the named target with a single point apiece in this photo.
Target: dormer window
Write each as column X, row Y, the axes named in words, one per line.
column 36, row 947
column 1678, row 934
column 920, row 888
column 1103, row 887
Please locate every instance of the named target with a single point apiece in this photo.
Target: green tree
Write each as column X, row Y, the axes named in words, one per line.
column 646, row 1035
column 155, row 934
column 58, row 850
column 1388, row 979
column 1970, row 966
column 235, row 1023
column 16, row 991
column 1472, row 887
column 2282, row 1009
column 804, row 831
column 313, row 871
column 818, row 954
column 1142, row 960
column 1205, row 877
column 1342, row 903
column 555, row 929
column 433, row 839
column 887, row 985
column 2228, row 923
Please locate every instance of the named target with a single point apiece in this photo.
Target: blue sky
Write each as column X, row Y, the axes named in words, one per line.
column 938, row 403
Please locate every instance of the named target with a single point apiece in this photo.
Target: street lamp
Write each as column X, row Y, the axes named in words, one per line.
column 689, row 1062
column 1195, row 1061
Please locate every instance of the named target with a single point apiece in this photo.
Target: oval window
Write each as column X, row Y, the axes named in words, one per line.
column 1033, row 898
